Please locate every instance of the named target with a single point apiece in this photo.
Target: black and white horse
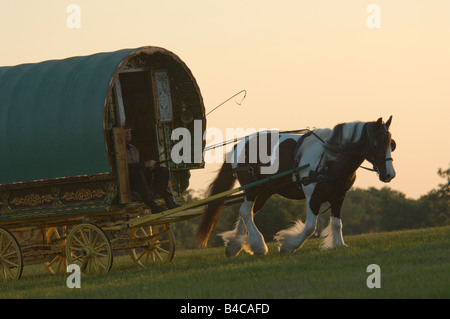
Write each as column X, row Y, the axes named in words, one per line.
column 333, row 155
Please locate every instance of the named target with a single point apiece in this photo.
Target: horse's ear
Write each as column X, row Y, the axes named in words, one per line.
column 380, row 121
column 388, row 123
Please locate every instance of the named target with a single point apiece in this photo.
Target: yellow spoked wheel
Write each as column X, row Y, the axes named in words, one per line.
column 58, row 261
column 159, row 245
column 89, row 247
column 11, row 259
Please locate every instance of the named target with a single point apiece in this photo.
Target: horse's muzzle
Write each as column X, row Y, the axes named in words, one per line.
column 386, row 178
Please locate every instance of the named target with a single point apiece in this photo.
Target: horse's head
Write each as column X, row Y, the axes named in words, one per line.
column 381, row 146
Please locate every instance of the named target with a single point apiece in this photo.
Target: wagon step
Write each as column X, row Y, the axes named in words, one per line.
column 154, row 217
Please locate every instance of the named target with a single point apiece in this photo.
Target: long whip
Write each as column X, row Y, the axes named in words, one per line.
column 245, row 94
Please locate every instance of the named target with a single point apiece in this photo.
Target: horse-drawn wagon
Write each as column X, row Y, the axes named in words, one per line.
column 64, row 186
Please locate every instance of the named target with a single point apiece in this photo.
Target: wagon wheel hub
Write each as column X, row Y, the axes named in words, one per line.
column 157, row 244
column 87, row 252
column 88, row 246
column 150, row 244
column 62, row 250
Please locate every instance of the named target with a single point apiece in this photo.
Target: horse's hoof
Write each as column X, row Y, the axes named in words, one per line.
column 232, row 250
column 258, row 251
column 284, row 251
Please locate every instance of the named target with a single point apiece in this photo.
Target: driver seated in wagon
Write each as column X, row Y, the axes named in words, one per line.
column 143, row 174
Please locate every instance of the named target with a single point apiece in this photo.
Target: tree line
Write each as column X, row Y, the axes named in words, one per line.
column 364, row 211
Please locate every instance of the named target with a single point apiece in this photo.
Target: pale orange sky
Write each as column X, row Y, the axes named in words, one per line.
column 303, row 63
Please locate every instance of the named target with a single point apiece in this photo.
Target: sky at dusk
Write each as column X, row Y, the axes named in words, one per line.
column 302, row 63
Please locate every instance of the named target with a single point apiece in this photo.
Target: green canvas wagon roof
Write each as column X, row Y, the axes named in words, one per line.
column 53, row 115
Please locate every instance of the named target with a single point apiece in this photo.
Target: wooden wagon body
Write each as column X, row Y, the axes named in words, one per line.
column 63, row 155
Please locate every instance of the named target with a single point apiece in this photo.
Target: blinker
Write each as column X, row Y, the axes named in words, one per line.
column 393, row 145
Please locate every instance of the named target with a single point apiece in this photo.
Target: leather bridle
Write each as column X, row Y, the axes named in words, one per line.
column 372, row 160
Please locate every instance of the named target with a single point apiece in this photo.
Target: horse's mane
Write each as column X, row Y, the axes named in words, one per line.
column 347, row 138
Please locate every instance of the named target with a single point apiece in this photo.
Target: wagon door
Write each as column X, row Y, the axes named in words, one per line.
column 164, row 113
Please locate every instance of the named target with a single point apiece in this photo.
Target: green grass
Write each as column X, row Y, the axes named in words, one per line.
column 414, row 264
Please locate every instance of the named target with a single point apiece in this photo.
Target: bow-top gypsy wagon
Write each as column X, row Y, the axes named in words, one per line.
column 64, row 185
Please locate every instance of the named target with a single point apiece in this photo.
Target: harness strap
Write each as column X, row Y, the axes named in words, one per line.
column 296, row 174
column 299, row 144
column 314, row 176
column 320, row 139
column 317, row 176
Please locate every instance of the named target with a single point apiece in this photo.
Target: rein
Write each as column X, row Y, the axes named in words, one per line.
column 300, row 131
column 369, row 169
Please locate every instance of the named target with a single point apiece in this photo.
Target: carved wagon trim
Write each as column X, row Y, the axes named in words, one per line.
column 83, row 195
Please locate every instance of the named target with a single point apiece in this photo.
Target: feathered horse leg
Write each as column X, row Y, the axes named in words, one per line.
column 255, row 239
column 332, row 234
column 293, row 238
column 234, row 239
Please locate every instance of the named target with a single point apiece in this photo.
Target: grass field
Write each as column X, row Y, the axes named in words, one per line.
column 414, row 264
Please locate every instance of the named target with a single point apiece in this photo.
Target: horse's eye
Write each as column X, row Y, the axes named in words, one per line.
column 393, row 145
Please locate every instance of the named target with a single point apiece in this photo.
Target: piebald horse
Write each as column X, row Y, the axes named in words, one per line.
column 334, row 155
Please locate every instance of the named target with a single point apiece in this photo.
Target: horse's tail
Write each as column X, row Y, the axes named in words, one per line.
column 223, row 182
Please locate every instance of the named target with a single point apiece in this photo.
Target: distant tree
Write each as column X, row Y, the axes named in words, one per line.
column 360, row 211
column 437, row 201
column 443, row 191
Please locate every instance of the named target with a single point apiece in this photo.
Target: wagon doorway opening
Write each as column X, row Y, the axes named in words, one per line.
column 137, row 96
column 155, row 93
column 144, row 102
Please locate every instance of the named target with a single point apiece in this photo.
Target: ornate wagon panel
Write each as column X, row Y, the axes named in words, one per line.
column 55, row 200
